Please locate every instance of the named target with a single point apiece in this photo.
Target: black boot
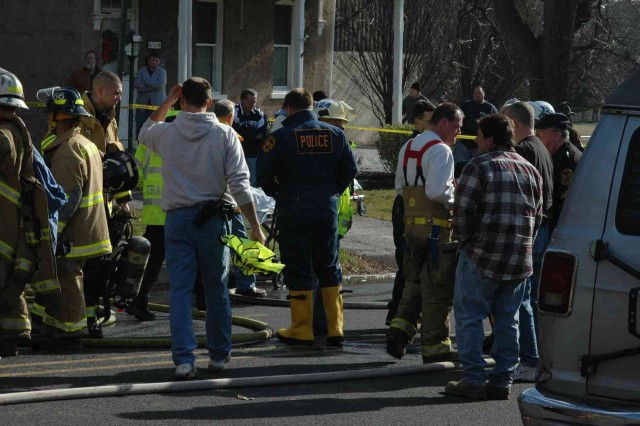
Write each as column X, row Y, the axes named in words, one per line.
column 94, row 328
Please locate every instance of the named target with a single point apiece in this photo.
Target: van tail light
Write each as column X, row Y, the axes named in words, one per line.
column 557, row 280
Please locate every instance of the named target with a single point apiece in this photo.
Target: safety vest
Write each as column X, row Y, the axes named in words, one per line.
column 74, row 158
column 150, row 165
column 250, row 256
column 25, row 235
column 345, row 209
column 345, row 213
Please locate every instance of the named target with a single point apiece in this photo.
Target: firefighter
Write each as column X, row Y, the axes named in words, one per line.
column 76, row 164
column 26, row 253
column 306, row 165
column 101, row 128
column 427, row 166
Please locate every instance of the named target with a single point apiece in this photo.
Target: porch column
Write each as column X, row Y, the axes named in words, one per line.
column 398, row 37
column 185, row 29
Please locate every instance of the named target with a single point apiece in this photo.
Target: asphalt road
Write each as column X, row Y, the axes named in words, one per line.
column 413, row 399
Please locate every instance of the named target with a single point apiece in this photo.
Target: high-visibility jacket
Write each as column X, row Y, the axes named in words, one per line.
column 150, row 165
column 25, row 235
column 105, row 138
column 250, row 256
column 76, row 164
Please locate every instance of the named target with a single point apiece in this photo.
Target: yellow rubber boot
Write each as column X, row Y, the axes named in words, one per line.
column 332, row 300
column 300, row 332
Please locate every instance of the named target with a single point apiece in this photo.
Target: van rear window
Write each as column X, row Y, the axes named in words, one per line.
column 628, row 211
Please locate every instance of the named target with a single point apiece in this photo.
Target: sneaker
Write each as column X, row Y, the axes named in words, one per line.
column 141, row 314
column 525, row 374
column 252, row 292
column 186, row 372
column 497, row 392
column 465, row 389
column 218, row 365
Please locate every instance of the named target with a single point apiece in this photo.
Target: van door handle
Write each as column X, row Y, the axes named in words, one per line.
column 599, row 250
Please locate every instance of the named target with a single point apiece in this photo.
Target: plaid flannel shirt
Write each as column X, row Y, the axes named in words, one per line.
column 497, row 212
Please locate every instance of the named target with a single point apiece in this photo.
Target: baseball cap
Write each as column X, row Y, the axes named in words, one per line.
column 556, row 120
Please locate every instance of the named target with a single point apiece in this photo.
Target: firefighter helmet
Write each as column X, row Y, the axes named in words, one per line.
column 11, row 93
column 63, row 101
column 332, row 109
column 119, row 172
column 540, row 109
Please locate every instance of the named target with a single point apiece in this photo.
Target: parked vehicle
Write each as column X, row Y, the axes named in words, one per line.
column 588, row 298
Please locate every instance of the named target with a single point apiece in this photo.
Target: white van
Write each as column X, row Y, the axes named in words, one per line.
column 588, row 297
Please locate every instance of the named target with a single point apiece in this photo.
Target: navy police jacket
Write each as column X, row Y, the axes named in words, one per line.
column 305, row 156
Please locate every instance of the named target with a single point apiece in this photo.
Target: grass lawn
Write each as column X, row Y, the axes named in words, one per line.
column 378, row 202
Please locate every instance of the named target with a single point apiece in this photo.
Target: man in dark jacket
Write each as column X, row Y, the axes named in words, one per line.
column 532, row 149
column 306, row 165
column 251, row 124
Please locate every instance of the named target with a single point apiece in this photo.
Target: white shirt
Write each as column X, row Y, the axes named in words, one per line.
column 437, row 168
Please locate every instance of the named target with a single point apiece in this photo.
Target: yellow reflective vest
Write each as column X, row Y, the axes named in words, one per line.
column 250, row 256
column 150, row 165
column 76, row 165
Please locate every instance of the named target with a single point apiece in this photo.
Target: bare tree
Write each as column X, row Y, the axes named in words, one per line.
column 564, row 45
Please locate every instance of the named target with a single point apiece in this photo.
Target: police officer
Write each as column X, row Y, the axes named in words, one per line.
column 26, row 253
column 553, row 131
column 427, row 166
column 306, row 165
column 76, row 164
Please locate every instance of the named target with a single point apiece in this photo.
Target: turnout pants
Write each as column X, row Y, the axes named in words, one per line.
column 65, row 310
column 429, row 266
column 14, row 316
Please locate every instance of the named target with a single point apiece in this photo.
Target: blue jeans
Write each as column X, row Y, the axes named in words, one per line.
column 529, row 307
column 189, row 248
column 251, row 163
column 475, row 297
column 243, row 282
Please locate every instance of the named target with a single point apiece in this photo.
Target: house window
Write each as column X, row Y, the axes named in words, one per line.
column 282, row 46
column 207, row 35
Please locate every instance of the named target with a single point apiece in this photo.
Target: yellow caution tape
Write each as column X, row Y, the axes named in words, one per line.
column 404, row 132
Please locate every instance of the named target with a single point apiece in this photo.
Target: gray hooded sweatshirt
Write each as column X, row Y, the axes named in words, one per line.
column 201, row 157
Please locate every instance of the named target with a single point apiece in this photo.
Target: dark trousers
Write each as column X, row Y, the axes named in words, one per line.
column 94, row 284
column 397, row 220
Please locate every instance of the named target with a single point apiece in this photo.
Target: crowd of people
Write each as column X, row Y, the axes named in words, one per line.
column 471, row 223
column 471, row 219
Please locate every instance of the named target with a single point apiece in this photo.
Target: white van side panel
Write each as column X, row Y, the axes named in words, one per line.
column 563, row 339
column 619, row 378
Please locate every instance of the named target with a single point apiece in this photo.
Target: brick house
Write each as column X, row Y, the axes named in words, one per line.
column 268, row 45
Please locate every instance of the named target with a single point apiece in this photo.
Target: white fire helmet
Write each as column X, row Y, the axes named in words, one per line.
column 541, row 108
column 11, row 93
column 337, row 110
column 508, row 103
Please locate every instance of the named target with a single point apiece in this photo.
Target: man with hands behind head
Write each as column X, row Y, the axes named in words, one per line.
column 201, row 158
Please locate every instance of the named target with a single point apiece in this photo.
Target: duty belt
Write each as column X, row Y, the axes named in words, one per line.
column 432, row 221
